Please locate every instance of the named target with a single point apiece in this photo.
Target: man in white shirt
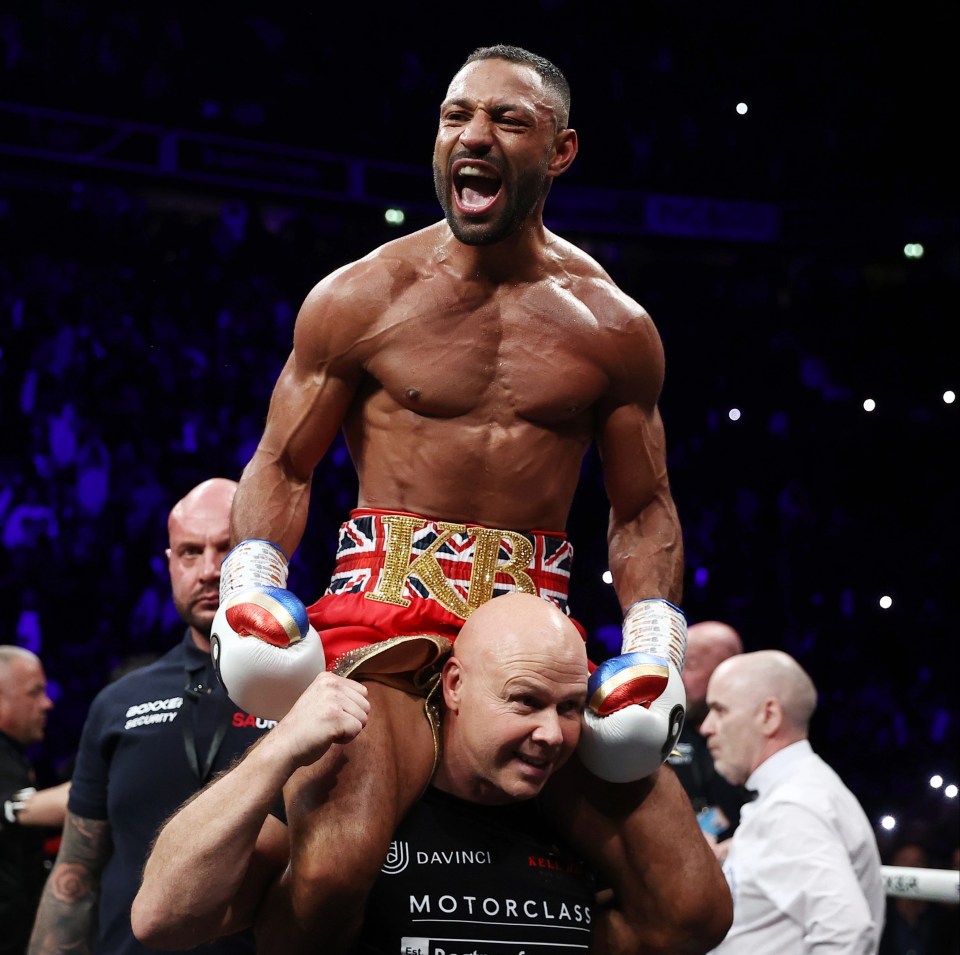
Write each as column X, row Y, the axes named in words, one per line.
column 803, row 866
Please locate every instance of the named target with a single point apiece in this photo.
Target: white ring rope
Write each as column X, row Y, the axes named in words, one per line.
column 932, row 885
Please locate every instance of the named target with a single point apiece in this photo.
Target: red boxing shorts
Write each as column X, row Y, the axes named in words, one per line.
column 405, row 575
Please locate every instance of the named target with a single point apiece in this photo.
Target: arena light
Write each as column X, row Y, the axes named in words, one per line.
column 395, row 217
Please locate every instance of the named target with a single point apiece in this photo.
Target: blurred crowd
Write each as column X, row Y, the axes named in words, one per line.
column 141, row 329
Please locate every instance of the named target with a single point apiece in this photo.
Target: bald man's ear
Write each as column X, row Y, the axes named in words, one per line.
column 451, row 679
column 772, row 716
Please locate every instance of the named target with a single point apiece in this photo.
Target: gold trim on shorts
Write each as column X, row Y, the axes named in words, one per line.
column 411, row 664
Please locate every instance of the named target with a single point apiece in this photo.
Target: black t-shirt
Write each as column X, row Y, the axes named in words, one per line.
column 145, row 745
column 22, row 869
column 463, row 878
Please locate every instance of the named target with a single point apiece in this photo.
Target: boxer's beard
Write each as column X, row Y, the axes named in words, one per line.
column 520, row 203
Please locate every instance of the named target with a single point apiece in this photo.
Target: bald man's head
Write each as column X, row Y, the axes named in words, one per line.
column 514, row 691
column 199, row 527
column 24, row 702
column 758, row 703
column 709, row 643
column 774, row 674
column 212, row 497
column 520, row 623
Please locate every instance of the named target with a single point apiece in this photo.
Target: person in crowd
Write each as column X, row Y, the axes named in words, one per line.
column 471, row 365
column 151, row 738
column 715, row 801
column 916, row 926
column 28, row 814
column 803, row 865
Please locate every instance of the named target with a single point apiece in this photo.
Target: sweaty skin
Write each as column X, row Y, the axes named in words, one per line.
column 469, row 380
column 470, row 365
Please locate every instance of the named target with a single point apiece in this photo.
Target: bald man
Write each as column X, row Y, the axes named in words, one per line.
column 151, row 738
column 803, row 866
column 715, row 801
column 24, row 811
column 472, row 864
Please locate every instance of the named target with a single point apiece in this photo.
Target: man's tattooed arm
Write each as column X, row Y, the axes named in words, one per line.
column 67, row 917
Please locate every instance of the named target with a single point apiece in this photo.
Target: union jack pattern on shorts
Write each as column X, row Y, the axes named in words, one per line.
column 362, row 554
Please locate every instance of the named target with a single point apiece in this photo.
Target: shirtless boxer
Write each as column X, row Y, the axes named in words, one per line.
column 470, row 365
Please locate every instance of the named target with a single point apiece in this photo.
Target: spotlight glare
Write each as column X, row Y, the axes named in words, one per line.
column 888, row 823
column 936, row 781
column 886, row 602
column 607, row 577
column 734, row 414
column 869, row 404
column 949, row 397
column 951, row 791
column 742, row 108
column 394, row 216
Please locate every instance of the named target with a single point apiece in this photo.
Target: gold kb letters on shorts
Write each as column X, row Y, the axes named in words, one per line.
column 398, row 567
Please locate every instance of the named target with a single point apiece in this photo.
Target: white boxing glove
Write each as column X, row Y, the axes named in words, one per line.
column 264, row 649
column 636, row 701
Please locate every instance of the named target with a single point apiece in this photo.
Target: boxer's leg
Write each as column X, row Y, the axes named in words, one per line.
column 342, row 813
column 642, row 838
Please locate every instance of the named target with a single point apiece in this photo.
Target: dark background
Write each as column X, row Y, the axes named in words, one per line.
column 174, row 179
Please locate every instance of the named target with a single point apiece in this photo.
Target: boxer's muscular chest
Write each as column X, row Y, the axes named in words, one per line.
column 532, row 352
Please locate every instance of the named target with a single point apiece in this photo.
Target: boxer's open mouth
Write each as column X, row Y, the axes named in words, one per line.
column 477, row 186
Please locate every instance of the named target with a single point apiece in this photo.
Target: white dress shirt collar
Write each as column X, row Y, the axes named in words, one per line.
column 778, row 766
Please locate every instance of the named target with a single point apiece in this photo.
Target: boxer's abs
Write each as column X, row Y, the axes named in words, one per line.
column 522, row 477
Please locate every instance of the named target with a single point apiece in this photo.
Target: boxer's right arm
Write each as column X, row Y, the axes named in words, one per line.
column 265, row 651
column 309, row 402
column 215, row 857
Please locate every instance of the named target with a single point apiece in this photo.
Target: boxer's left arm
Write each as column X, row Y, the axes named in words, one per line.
column 637, row 701
column 644, row 537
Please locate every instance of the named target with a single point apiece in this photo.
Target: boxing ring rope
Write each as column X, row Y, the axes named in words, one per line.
column 931, row 885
